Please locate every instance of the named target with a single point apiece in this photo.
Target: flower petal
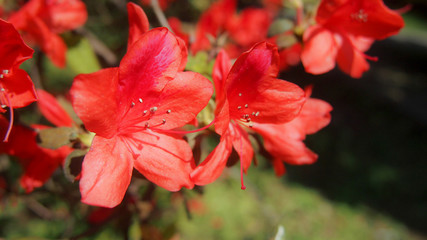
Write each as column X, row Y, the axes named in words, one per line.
column 242, row 145
column 13, row 47
column 94, row 99
column 61, row 16
column 219, row 74
column 180, row 101
column 138, row 23
column 165, row 160
column 254, row 93
column 52, row 111
column 147, row 67
column 320, row 50
column 106, row 172
column 211, row 168
column 351, row 60
column 19, row 89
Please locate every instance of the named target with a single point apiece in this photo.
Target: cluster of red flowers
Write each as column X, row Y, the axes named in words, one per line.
column 136, row 109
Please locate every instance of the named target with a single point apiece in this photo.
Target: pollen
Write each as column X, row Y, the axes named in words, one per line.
column 360, row 16
column 140, row 100
column 256, row 114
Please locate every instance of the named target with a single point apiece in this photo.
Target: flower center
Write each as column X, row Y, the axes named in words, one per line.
column 360, row 16
column 246, row 114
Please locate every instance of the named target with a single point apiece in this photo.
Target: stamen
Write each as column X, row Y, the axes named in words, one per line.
column 153, row 109
column 1, row 75
column 6, row 71
column 256, row 114
column 239, row 107
column 9, row 128
column 144, row 112
column 251, row 125
column 243, row 187
column 246, row 106
column 240, row 94
column 140, row 100
column 168, row 111
column 185, row 132
column 249, row 119
column 163, row 121
column 132, row 104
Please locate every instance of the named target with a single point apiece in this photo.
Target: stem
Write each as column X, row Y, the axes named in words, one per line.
column 160, row 15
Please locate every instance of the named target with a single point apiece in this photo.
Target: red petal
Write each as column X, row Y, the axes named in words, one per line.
column 165, row 160
column 351, row 60
column 315, row 115
column 50, row 43
column 285, row 142
column 61, row 16
column 106, row 172
column 250, row 27
column 19, row 89
column 211, row 168
column 320, row 50
column 279, row 167
column 148, row 66
column 13, row 47
column 219, row 73
column 369, row 18
column 94, row 100
column 180, row 101
column 52, row 111
column 242, row 145
column 138, row 23
column 254, row 91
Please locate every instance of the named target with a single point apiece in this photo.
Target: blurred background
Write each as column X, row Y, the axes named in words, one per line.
column 370, row 181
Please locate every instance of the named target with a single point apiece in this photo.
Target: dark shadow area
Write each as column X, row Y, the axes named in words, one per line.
column 374, row 151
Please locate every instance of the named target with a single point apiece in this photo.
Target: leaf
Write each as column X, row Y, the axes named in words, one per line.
column 73, row 164
column 54, row 138
column 200, row 63
column 82, row 59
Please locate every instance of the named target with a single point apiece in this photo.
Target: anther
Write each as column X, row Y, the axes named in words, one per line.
column 248, row 120
column 6, row 71
column 240, row 94
column 145, row 112
column 3, row 106
column 153, row 109
column 239, row 107
column 140, row 100
column 251, row 125
column 246, row 106
column 168, row 111
column 132, row 104
column 163, row 121
column 1, row 75
column 2, row 89
column 256, row 114
column 147, row 125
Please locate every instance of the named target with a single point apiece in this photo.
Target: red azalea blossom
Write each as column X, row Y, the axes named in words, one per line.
column 43, row 20
column 131, row 108
column 52, row 111
column 247, row 93
column 345, row 30
column 285, row 141
column 245, row 29
column 16, row 88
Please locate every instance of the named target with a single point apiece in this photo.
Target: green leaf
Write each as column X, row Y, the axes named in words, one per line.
column 81, row 58
column 54, row 138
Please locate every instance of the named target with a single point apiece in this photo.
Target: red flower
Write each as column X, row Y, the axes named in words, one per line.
column 42, row 20
column 285, row 141
column 16, row 87
column 247, row 93
column 131, row 108
column 38, row 163
column 344, row 31
column 244, row 29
